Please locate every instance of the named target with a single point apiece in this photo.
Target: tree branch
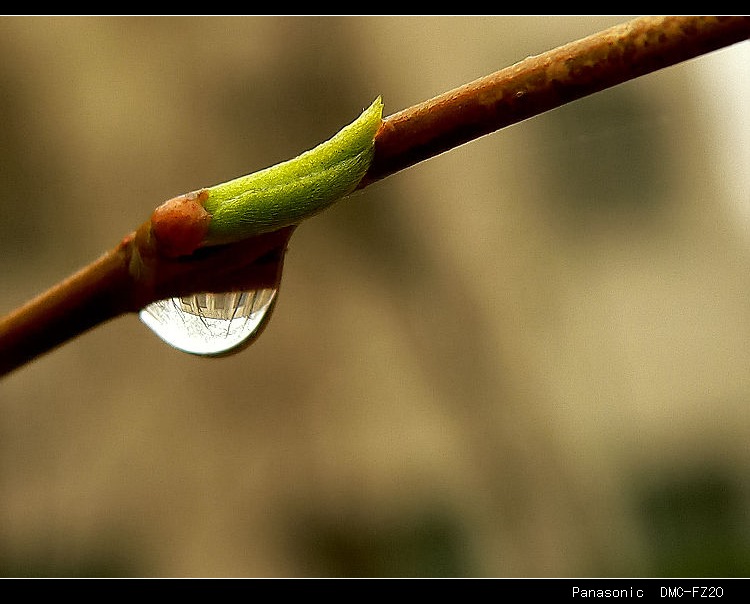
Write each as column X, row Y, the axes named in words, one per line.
column 134, row 273
column 547, row 81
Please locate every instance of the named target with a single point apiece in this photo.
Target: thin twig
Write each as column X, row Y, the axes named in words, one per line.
column 124, row 281
column 134, row 274
column 547, row 81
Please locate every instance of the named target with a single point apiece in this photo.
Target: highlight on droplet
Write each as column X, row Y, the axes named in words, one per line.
column 210, row 324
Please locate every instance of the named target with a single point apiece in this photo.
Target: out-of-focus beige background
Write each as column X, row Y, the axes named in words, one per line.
column 529, row 356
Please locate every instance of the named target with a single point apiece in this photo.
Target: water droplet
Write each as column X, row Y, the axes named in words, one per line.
column 210, row 324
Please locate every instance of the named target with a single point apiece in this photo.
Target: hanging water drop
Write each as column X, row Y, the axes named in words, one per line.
column 210, row 324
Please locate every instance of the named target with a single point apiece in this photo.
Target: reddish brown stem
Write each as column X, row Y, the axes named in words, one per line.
column 124, row 281
column 543, row 82
column 93, row 295
column 134, row 273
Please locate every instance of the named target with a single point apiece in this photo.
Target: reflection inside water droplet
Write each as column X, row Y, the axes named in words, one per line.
column 210, row 324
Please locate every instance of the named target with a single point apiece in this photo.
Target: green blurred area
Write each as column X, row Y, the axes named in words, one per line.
column 527, row 357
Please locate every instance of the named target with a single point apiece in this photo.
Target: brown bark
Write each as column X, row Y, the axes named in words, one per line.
column 135, row 273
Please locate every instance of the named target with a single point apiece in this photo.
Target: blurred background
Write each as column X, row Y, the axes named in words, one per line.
column 526, row 357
